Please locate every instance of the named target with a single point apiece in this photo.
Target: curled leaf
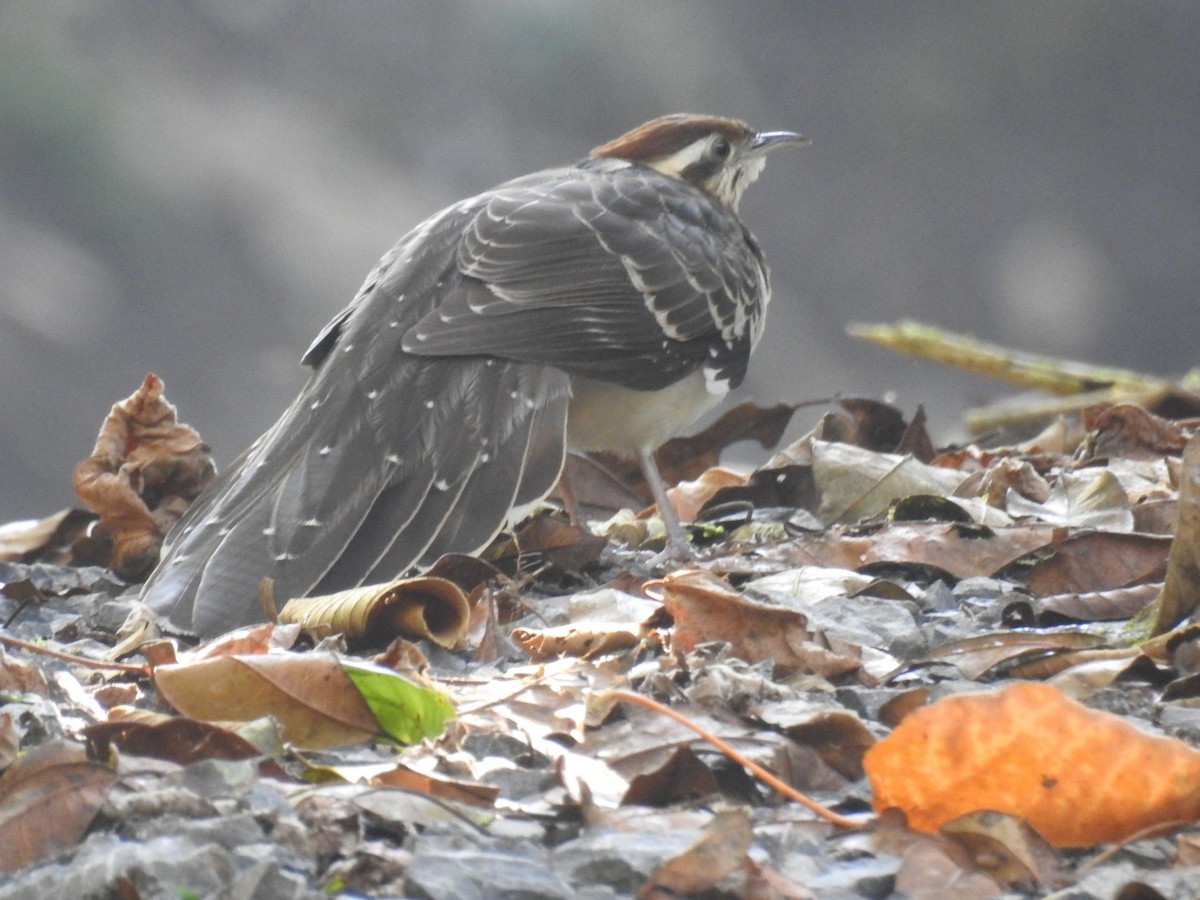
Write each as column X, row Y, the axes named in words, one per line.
column 144, row 471
column 423, row 607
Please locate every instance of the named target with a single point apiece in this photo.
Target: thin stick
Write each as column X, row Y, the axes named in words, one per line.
column 70, row 657
column 758, row 771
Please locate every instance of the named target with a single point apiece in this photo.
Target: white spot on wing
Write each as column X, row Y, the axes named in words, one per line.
column 716, row 383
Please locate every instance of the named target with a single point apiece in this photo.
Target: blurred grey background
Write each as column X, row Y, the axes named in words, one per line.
column 194, row 188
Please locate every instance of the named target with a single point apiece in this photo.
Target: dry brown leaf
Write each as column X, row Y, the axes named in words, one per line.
column 10, row 740
column 248, row 639
column 721, row 850
column 976, row 655
column 856, row 484
column 767, row 884
column 704, row 608
column 933, row 869
column 1099, row 606
column 863, row 422
column 1077, row 776
column 686, row 457
column 179, row 740
column 48, row 798
column 993, row 484
column 689, row 497
column 1181, row 592
column 614, row 479
column 310, row 695
column 682, row 777
column 1087, row 498
column 545, row 541
column 47, row 540
column 20, row 676
column 1131, row 431
column 587, row 640
column 421, row 607
column 839, row 737
column 1099, row 561
column 141, row 453
column 963, row 551
column 598, row 489
column 1006, row 848
column 434, row 785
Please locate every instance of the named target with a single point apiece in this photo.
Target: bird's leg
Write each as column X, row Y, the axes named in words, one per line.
column 570, row 503
column 677, row 542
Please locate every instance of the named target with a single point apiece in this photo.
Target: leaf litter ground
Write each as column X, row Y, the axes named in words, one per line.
column 967, row 658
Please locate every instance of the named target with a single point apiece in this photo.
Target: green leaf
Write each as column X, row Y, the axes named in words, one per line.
column 406, row 712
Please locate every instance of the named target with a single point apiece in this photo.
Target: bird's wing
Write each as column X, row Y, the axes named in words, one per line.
column 384, row 460
column 439, row 396
column 612, row 274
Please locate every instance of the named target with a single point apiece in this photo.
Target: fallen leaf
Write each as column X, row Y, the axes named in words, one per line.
column 1131, row 431
column 721, row 850
column 1097, row 606
column 706, row 609
column 144, row 471
column 1078, row 776
column 46, row 540
column 19, row 676
column 682, row 777
column 421, row 607
column 1098, row 561
column 978, row 654
column 689, row 497
column 575, row 640
column 320, row 701
column 405, row 710
column 855, row 484
column 863, row 422
column 1181, row 592
column 1084, row 499
column 179, row 740
column 48, row 798
column 1006, row 848
column 961, row 550
column 932, row 869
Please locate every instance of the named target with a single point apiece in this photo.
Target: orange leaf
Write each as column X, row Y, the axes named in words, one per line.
column 1076, row 775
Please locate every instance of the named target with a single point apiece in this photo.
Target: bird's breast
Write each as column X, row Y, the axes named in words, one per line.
column 604, row 416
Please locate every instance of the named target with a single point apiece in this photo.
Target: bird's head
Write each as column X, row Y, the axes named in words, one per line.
column 718, row 155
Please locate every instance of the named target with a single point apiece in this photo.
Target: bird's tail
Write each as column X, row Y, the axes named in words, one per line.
column 362, row 479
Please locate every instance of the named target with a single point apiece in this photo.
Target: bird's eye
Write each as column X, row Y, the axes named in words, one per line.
column 721, row 148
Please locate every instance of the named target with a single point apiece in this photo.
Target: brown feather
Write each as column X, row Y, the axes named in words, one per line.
column 669, row 134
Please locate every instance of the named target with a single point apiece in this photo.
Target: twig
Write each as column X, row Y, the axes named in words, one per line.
column 1058, row 376
column 70, row 657
column 758, row 771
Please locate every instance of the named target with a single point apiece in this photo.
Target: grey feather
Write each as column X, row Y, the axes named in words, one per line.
column 439, row 397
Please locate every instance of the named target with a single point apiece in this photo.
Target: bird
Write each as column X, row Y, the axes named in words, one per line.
column 602, row 305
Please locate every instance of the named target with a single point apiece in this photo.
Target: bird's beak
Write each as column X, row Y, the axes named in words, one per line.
column 769, row 140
